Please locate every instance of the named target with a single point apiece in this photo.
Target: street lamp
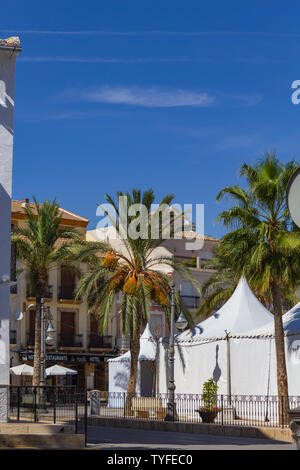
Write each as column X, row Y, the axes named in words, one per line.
column 50, row 330
column 181, row 323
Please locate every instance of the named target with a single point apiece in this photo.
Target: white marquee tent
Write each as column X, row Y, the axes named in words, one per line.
column 119, row 367
column 254, row 357
column 215, row 349
column 240, row 314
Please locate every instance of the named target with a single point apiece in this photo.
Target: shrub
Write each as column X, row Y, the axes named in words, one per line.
column 210, row 390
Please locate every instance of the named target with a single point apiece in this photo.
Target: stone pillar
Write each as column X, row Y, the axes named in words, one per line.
column 9, row 50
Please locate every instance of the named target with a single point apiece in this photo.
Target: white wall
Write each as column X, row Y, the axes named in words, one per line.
column 253, row 366
column 7, row 79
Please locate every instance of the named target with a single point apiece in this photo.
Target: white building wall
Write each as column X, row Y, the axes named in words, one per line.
column 7, row 79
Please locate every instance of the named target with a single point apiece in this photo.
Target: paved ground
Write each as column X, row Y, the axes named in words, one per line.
column 123, row 438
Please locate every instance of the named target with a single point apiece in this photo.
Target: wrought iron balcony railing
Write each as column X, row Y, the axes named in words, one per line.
column 70, row 341
column 30, row 338
column 48, row 293
column 66, row 293
column 14, row 289
column 191, row 301
column 96, row 341
column 13, row 336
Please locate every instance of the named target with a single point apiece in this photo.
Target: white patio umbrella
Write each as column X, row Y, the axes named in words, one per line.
column 60, row 370
column 22, row 369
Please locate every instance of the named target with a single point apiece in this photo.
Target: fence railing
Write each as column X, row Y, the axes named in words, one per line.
column 49, row 404
column 66, row 405
column 241, row 410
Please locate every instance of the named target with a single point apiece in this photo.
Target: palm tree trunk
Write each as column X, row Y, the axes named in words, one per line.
column 37, row 344
column 282, row 381
column 134, row 361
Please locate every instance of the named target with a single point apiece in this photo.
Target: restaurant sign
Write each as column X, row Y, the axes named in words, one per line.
column 77, row 358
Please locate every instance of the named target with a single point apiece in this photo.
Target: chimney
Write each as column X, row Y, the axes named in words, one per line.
column 25, row 202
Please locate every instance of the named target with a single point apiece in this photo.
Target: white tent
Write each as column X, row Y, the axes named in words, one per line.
column 59, row 370
column 22, row 369
column 241, row 313
column 212, row 347
column 119, row 367
column 254, row 357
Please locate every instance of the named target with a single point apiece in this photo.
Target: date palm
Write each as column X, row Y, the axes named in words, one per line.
column 134, row 271
column 41, row 245
column 264, row 245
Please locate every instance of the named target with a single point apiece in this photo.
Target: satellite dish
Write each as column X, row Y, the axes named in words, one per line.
column 18, row 316
column 293, row 197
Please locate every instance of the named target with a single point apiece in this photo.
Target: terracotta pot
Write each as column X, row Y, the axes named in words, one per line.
column 208, row 416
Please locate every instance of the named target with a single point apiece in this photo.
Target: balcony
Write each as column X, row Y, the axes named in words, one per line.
column 70, row 341
column 67, row 293
column 30, row 339
column 14, row 289
column 48, row 292
column 191, row 301
column 12, row 336
column 100, row 342
column 123, row 342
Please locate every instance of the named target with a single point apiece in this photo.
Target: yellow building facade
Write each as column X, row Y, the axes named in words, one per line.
column 76, row 344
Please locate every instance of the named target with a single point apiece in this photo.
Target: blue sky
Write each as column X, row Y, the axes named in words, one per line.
column 173, row 95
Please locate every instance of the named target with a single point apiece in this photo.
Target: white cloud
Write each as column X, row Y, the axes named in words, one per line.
column 145, row 60
column 238, row 142
column 148, row 97
column 250, row 99
column 153, row 33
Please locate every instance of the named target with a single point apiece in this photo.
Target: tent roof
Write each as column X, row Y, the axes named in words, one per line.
column 241, row 313
column 60, row 370
column 147, row 348
column 290, row 320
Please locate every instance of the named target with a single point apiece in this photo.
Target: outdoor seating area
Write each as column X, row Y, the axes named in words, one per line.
column 146, row 407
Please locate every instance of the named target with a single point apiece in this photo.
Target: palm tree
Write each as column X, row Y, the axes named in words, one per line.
column 264, row 245
column 134, row 270
column 41, row 246
column 220, row 286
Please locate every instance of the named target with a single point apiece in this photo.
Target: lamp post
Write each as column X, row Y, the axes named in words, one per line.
column 181, row 323
column 45, row 340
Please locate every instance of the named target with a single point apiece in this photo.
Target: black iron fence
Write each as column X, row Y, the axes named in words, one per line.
column 241, row 410
column 50, row 404
column 67, row 406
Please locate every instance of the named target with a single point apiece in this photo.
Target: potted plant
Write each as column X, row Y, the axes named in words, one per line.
column 209, row 411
